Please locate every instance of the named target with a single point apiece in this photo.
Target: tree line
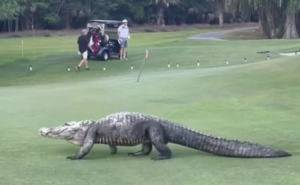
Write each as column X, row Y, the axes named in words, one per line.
column 277, row 18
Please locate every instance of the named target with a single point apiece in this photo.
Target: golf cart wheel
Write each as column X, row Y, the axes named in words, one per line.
column 105, row 55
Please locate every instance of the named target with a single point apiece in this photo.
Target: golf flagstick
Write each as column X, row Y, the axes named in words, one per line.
column 142, row 65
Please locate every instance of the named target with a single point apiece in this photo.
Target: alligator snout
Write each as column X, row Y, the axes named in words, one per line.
column 43, row 131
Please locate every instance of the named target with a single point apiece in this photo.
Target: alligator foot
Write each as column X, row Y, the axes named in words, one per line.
column 138, row 153
column 160, row 157
column 146, row 150
column 73, row 157
column 113, row 149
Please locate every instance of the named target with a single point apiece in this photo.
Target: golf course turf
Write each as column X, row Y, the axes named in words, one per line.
column 256, row 101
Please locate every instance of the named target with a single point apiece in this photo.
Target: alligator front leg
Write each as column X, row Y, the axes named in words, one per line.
column 146, row 150
column 87, row 145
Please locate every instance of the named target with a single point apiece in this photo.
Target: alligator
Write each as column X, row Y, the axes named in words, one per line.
column 133, row 128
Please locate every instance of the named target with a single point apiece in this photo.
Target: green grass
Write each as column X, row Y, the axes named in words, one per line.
column 51, row 56
column 252, row 34
column 258, row 102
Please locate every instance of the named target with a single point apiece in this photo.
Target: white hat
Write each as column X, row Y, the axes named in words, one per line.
column 124, row 20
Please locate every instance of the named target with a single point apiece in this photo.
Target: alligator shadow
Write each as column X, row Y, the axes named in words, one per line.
column 96, row 153
column 190, row 153
column 101, row 152
column 184, row 153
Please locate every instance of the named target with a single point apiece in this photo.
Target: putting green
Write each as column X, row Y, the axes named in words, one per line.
column 257, row 102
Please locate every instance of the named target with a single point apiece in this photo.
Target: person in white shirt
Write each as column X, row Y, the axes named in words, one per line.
column 123, row 33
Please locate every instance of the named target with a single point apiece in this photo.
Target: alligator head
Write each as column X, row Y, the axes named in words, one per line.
column 73, row 132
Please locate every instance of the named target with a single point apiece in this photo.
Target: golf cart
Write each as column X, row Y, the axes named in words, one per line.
column 103, row 39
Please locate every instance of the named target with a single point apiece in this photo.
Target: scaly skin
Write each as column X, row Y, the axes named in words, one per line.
column 131, row 129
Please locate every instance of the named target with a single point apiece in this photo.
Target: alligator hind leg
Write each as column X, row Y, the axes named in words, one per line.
column 157, row 138
column 146, row 150
column 113, row 149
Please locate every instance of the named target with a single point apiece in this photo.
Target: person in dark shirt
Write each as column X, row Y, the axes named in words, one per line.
column 83, row 42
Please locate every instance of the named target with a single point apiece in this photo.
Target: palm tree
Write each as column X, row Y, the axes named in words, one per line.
column 161, row 5
column 277, row 17
column 220, row 5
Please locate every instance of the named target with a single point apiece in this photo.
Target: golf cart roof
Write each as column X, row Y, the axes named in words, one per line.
column 108, row 27
column 105, row 21
column 108, row 23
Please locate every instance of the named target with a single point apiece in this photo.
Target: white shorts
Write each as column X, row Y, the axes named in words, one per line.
column 84, row 55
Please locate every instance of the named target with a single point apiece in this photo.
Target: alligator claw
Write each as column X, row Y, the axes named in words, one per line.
column 160, row 157
column 139, row 153
column 73, row 158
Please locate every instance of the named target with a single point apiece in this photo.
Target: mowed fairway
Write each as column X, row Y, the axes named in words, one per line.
column 257, row 101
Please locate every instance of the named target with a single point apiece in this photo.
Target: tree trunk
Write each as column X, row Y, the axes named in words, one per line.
column 290, row 27
column 275, row 17
column 27, row 21
column 17, row 24
column 220, row 9
column 264, row 23
column 298, row 22
column 9, row 25
column 269, row 14
column 23, row 23
column 67, row 21
column 4, row 26
column 160, row 17
column 32, row 21
column 221, row 19
column 29, row 16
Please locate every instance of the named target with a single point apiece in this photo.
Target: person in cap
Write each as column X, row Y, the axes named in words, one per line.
column 123, row 33
column 83, row 42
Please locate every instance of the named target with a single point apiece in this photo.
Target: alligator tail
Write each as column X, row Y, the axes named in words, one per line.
column 229, row 148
